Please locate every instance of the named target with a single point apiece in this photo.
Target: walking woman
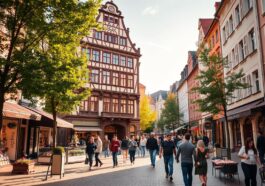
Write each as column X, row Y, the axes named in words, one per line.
column 201, row 162
column 90, row 150
column 114, row 147
column 132, row 149
column 249, row 161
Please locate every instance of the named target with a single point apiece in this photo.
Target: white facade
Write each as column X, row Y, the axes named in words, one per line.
column 159, row 106
column 240, row 46
column 183, row 101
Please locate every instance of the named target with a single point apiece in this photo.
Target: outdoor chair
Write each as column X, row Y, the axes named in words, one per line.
column 262, row 175
column 229, row 170
column 218, row 155
column 224, row 153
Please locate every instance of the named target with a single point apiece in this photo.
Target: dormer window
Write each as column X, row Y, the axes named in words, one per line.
column 111, row 19
column 123, row 41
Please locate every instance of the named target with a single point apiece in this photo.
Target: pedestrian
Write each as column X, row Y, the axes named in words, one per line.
column 138, row 145
column 249, row 161
column 152, row 146
column 114, row 147
column 205, row 140
column 98, row 151
column 167, row 149
column 186, row 150
column 261, row 146
column 132, row 149
column 143, row 145
column 106, row 143
column 201, row 162
column 90, row 150
column 124, row 148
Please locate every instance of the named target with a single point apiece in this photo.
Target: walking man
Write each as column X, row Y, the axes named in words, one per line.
column 124, row 148
column 186, row 150
column 98, row 151
column 152, row 146
column 167, row 149
column 90, row 150
column 114, row 147
column 261, row 146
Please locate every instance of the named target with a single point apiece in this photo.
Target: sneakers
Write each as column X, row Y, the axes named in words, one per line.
column 170, row 178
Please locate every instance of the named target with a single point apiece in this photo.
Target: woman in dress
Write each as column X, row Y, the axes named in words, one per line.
column 249, row 161
column 201, row 162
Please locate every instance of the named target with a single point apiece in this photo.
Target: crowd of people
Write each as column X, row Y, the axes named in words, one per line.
column 189, row 151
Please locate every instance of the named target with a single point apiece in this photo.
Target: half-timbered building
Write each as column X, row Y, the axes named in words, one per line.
column 113, row 62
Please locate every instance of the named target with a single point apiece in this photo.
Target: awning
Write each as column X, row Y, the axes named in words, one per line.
column 13, row 110
column 242, row 111
column 87, row 129
column 60, row 122
column 194, row 128
column 179, row 128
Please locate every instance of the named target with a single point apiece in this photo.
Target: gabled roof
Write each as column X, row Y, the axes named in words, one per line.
column 156, row 95
column 205, row 24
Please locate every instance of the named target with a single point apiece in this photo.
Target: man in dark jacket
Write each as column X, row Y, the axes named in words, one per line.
column 124, row 148
column 261, row 146
column 152, row 146
column 90, row 150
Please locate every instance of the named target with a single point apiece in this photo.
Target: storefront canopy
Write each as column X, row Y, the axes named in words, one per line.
column 13, row 110
column 179, row 128
column 60, row 122
column 87, row 129
column 194, row 128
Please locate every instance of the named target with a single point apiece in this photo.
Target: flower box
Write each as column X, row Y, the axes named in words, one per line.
column 23, row 167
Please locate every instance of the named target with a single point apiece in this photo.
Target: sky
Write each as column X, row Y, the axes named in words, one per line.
column 165, row 30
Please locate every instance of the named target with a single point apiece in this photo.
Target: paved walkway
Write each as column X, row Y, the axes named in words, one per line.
column 140, row 174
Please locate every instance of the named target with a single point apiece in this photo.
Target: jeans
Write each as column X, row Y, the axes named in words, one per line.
column 115, row 158
column 168, row 160
column 250, row 173
column 261, row 157
column 187, row 173
column 132, row 155
column 97, row 159
column 125, row 154
column 90, row 159
column 143, row 151
column 153, row 156
column 106, row 152
column 138, row 150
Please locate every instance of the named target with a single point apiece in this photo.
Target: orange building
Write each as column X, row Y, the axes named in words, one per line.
column 212, row 41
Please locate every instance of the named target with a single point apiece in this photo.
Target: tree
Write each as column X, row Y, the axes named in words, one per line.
column 58, row 72
column 147, row 116
column 171, row 117
column 215, row 90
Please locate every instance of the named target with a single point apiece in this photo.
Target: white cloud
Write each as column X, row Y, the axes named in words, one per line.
column 150, row 11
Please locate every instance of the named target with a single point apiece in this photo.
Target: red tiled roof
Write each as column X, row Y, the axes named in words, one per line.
column 205, row 24
column 13, row 110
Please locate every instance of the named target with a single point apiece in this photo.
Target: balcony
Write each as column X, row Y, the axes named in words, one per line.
column 117, row 115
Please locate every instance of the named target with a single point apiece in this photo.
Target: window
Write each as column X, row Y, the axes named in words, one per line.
column 106, row 57
column 241, row 51
column 227, row 30
column 106, row 18
column 115, row 105
column 238, row 16
column 247, row 4
column 252, row 38
column 130, row 62
column 263, row 6
column 93, row 106
column 130, row 81
column 256, row 86
column 130, row 107
column 115, row 59
column 231, row 26
column 86, row 51
column 115, row 78
column 244, row 91
column 233, row 64
column 106, row 77
column 236, row 55
column 249, row 89
column 84, row 106
column 245, row 44
column 106, row 105
column 98, row 35
column 123, row 61
column 96, row 55
column 123, row 80
column 110, row 38
column 94, row 76
column 123, row 41
column 123, row 106
column 223, row 33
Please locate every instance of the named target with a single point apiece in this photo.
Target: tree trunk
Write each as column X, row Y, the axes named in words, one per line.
column 54, row 115
column 2, row 100
column 228, row 134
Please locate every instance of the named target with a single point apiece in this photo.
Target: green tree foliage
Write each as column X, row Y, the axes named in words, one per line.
column 39, row 44
column 147, row 116
column 171, row 117
column 215, row 91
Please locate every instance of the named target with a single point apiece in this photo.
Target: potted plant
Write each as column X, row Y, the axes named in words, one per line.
column 58, row 159
column 23, row 166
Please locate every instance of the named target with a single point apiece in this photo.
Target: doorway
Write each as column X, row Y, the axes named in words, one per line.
column 248, row 132
column 114, row 130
